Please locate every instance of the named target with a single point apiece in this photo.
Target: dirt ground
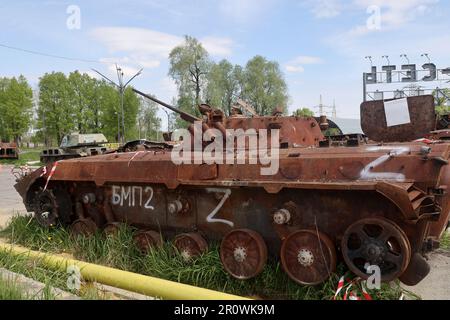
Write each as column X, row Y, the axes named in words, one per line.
column 435, row 286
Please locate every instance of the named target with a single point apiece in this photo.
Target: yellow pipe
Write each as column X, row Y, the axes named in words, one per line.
column 130, row 281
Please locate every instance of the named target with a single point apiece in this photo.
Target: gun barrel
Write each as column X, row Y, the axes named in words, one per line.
column 185, row 116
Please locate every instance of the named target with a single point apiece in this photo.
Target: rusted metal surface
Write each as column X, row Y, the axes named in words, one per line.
column 190, row 245
column 308, row 257
column 84, row 227
column 443, row 134
column 9, row 151
column 303, row 214
column 376, row 241
column 147, row 239
column 243, row 253
column 421, row 115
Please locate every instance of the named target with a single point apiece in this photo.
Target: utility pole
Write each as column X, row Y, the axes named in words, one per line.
column 168, row 119
column 334, row 109
column 325, row 110
column 321, row 107
column 121, row 87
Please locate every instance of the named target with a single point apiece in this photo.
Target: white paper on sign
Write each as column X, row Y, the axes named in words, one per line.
column 397, row 112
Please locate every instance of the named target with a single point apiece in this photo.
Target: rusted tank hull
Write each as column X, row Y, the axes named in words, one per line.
column 312, row 206
column 9, row 151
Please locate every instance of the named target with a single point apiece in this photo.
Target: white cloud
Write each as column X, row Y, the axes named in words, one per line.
column 294, row 69
column 296, row 64
column 216, row 46
column 145, row 48
column 140, row 41
column 324, row 8
column 307, row 60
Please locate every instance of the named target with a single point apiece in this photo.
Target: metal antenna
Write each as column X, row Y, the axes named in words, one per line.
column 405, row 56
column 387, row 58
column 370, row 59
column 121, row 88
column 427, row 56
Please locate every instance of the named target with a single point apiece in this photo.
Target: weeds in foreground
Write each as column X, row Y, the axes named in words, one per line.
column 206, row 271
column 445, row 241
column 10, row 291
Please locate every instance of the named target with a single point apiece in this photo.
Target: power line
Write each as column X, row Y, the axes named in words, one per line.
column 51, row 55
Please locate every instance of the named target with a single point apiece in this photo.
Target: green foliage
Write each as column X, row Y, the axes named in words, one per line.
column 223, row 85
column 442, row 108
column 332, row 132
column 260, row 83
column 55, row 113
column 83, row 99
column 35, row 269
column 264, row 86
column 149, row 124
column 78, row 102
column 445, row 241
column 206, row 271
column 10, row 291
column 83, row 104
column 15, row 108
column 303, row 112
column 189, row 67
column 25, row 156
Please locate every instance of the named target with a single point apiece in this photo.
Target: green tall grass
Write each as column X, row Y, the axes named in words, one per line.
column 9, row 291
column 25, row 155
column 120, row 252
column 445, row 241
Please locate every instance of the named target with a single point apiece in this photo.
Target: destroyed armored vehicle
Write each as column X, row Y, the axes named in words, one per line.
column 304, row 199
column 76, row 145
column 9, row 151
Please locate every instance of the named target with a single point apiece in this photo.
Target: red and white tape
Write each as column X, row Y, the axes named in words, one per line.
column 339, row 287
column 351, row 294
column 52, row 172
column 44, row 172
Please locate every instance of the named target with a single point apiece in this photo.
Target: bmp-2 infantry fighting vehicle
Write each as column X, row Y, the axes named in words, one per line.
column 76, row 145
column 343, row 198
column 8, row 151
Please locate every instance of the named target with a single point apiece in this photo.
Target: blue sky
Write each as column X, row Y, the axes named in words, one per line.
column 320, row 44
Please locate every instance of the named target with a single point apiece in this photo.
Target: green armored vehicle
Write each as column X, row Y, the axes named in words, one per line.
column 76, row 145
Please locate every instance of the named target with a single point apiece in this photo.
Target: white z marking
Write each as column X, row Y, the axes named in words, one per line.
column 366, row 172
column 226, row 194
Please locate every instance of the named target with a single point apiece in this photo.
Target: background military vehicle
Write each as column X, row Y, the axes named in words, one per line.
column 76, row 145
column 9, row 151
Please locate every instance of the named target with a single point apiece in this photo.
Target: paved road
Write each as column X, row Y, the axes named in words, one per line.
column 10, row 201
column 436, row 286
